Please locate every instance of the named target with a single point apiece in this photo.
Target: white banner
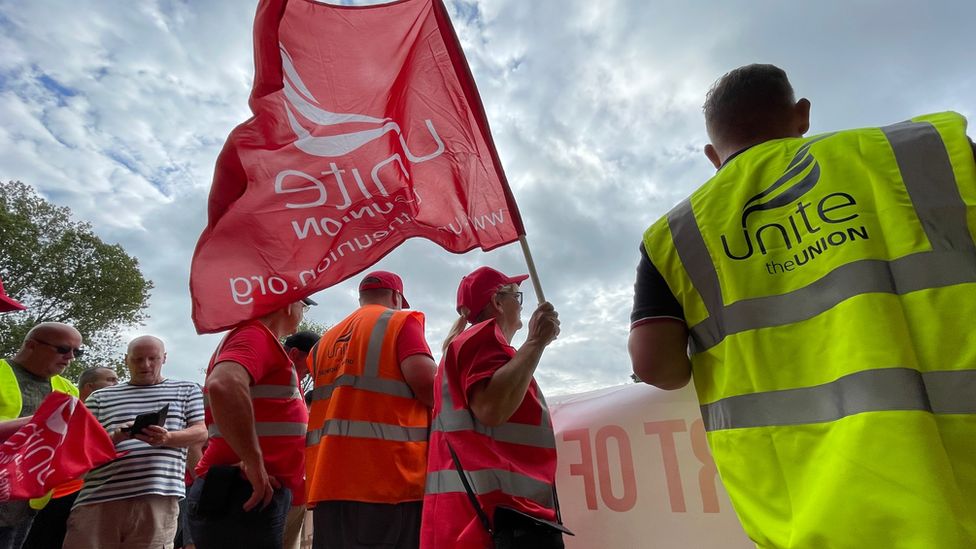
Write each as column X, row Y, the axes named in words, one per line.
column 635, row 471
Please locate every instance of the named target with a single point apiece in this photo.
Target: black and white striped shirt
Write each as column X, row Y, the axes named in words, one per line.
column 145, row 469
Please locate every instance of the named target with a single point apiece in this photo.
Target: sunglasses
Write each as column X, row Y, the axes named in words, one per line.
column 61, row 349
column 518, row 295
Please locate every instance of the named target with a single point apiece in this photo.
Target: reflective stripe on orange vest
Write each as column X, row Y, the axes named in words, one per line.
column 364, row 420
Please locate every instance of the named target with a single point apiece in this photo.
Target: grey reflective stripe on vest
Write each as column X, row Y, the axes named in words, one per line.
column 385, row 386
column 269, row 429
column 366, row 429
column 690, row 245
column 266, row 428
column 369, row 380
column 517, row 433
column 266, row 391
column 888, row 389
column 450, row 420
column 928, row 177
column 371, row 368
column 485, row 481
column 911, row 273
column 927, row 172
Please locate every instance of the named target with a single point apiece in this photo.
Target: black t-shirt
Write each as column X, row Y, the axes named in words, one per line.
column 652, row 296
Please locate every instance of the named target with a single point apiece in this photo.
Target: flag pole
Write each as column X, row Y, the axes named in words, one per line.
column 531, row 265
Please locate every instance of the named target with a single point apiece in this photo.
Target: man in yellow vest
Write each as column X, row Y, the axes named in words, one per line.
column 25, row 380
column 824, row 288
column 51, row 523
column 366, row 455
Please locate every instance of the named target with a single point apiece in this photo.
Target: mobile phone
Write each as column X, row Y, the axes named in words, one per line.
column 149, row 418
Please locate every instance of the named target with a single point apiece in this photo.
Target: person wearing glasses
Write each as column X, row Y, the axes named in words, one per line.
column 366, row 449
column 51, row 523
column 491, row 422
column 25, row 380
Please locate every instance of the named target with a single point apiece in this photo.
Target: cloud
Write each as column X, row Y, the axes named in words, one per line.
column 119, row 110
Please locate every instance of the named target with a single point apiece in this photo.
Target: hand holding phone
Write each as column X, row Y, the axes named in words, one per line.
column 150, row 418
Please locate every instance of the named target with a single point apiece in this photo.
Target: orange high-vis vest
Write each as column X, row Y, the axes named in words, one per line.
column 367, row 432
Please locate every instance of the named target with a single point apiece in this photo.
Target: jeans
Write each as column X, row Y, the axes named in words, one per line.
column 221, row 522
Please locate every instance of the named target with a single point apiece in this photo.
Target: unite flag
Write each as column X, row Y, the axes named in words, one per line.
column 367, row 130
column 62, row 442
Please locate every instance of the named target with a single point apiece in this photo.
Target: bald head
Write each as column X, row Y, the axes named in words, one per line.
column 144, row 358
column 48, row 349
column 145, row 340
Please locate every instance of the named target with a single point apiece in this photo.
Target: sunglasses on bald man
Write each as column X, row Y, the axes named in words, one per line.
column 63, row 349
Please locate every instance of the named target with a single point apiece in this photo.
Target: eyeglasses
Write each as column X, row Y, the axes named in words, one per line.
column 61, row 349
column 517, row 295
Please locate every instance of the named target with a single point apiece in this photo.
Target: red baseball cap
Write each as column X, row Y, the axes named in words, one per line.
column 476, row 289
column 7, row 303
column 384, row 280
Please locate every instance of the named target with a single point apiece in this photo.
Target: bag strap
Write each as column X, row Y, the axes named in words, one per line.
column 555, row 500
column 467, row 488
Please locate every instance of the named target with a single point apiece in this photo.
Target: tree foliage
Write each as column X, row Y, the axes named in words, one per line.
column 63, row 272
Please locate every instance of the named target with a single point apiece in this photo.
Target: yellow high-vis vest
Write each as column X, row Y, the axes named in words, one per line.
column 829, row 287
column 11, row 401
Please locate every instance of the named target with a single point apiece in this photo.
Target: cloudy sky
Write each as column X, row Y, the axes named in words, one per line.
column 118, row 110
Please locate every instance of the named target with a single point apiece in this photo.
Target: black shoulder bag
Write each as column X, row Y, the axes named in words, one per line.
column 514, row 529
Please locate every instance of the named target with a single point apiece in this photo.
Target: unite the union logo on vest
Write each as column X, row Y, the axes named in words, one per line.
column 797, row 226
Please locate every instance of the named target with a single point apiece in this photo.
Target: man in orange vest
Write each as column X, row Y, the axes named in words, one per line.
column 366, row 454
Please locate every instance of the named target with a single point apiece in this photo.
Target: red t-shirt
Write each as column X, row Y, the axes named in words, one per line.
column 411, row 340
column 255, row 348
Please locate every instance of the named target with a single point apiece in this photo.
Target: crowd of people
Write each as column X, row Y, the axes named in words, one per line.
column 250, row 453
column 822, row 439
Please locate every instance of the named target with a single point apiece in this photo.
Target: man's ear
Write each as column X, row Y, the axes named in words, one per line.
column 495, row 304
column 801, row 114
column 293, row 353
column 713, row 156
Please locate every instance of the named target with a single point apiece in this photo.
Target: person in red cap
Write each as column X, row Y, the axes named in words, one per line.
column 7, row 303
column 492, row 423
column 366, row 453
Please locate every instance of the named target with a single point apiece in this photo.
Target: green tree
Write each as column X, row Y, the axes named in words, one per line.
column 63, row 272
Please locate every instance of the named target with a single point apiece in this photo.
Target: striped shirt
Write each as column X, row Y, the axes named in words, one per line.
column 145, row 469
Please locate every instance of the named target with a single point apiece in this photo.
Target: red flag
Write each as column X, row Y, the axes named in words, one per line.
column 62, row 441
column 367, row 130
